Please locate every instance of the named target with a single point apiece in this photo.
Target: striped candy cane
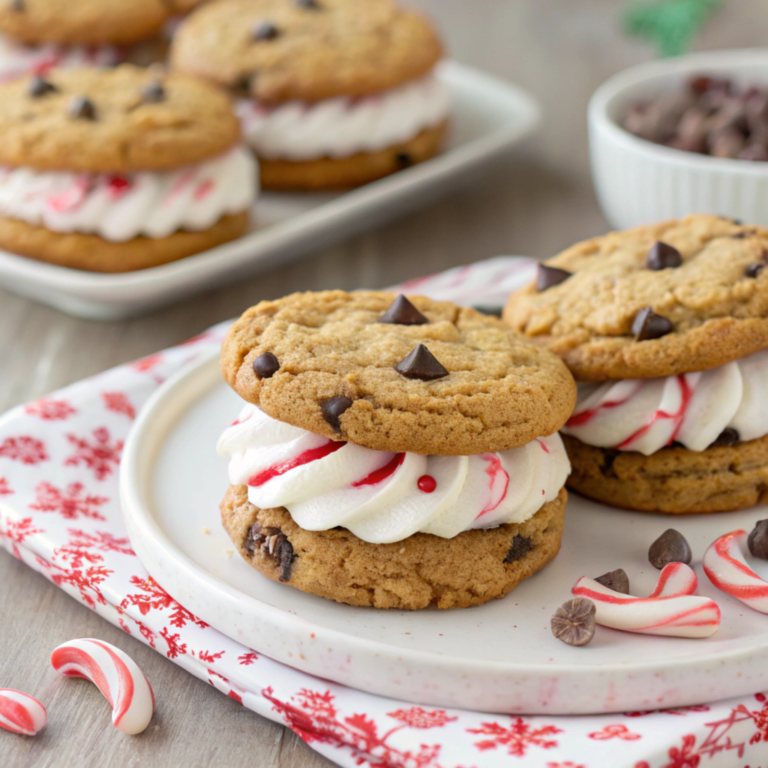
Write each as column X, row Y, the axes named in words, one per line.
column 727, row 569
column 21, row 713
column 671, row 609
column 115, row 674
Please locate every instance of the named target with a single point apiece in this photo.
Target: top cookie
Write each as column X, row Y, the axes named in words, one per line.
column 113, row 120
column 327, row 363
column 278, row 50
column 708, row 297
column 83, row 22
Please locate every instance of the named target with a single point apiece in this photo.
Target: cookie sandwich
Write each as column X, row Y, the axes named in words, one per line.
column 393, row 452
column 666, row 327
column 38, row 35
column 121, row 169
column 331, row 93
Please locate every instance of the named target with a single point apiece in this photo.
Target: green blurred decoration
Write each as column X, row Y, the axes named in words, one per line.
column 670, row 25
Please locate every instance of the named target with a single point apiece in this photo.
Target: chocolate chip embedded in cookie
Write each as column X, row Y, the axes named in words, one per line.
column 461, row 383
column 707, row 302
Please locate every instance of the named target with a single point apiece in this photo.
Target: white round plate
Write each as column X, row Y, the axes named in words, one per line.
column 499, row 657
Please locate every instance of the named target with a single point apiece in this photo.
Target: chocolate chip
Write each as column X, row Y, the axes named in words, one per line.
column 402, row 312
column 609, row 457
column 39, row 87
column 81, row 108
column 574, row 621
column 548, row 277
column 254, row 538
column 753, row 270
column 520, row 547
column 404, row 159
column 729, row 436
column 243, row 85
column 264, row 30
column 18, row 5
column 266, row 366
column 333, row 409
column 309, row 5
column 616, row 580
column 670, row 547
column 758, row 540
column 663, row 256
column 421, row 364
column 274, row 543
column 648, row 325
column 152, row 92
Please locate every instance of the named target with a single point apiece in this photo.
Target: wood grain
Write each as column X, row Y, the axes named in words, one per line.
column 535, row 202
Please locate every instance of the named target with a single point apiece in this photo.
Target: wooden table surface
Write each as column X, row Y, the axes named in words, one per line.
column 536, row 202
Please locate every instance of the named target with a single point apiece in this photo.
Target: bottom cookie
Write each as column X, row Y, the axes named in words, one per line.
column 330, row 173
column 673, row 480
column 470, row 569
column 93, row 253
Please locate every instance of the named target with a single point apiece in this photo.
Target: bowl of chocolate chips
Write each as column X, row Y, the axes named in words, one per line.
column 679, row 136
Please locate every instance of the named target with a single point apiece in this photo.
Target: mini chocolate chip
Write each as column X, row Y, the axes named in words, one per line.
column 574, row 621
column 81, row 108
column 663, row 256
column 670, row 547
column 609, row 457
column 404, row 159
column 243, row 85
column 548, row 277
column 39, row 87
column 254, row 538
column 421, row 364
column 520, row 547
column 616, row 580
column 333, row 409
column 402, row 312
column 729, row 436
column 753, row 270
column 648, row 325
column 264, row 30
column 266, row 366
column 18, row 5
column 282, row 549
column 152, row 92
column 758, row 540
column 310, row 5
column 741, row 235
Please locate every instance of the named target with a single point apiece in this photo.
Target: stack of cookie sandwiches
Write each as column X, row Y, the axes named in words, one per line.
column 666, row 327
column 121, row 169
column 331, row 93
column 38, row 35
column 393, row 452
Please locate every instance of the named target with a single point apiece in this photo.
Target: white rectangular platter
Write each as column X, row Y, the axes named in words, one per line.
column 489, row 117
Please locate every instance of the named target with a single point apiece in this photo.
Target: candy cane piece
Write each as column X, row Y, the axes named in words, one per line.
column 115, row 674
column 671, row 609
column 727, row 569
column 21, row 713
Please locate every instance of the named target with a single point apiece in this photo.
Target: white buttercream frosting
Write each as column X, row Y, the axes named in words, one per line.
column 342, row 127
column 17, row 59
column 121, row 207
column 693, row 409
column 384, row 497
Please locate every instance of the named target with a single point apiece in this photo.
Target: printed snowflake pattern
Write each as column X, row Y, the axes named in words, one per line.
column 17, row 531
column 147, row 363
column 416, row 717
column 210, row 658
column 152, row 597
column 102, row 455
column 517, row 738
column 5, row 488
column 175, row 647
column 247, row 658
column 119, row 403
column 27, row 450
column 70, row 503
column 50, row 410
column 616, row 731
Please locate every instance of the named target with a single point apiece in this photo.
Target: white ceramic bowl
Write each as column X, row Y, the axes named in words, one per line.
column 638, row 182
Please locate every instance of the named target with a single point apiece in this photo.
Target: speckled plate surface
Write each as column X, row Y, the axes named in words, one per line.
column 497, row 657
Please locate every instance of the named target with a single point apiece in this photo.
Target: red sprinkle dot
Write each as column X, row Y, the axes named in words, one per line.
column 427, row 483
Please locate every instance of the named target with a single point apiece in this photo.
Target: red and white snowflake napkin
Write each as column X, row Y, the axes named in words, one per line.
column 59, row 514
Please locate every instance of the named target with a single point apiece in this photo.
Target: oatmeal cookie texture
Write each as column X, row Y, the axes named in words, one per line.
column 470, row 569
column 113, row 121
column 704, row 307
column 276, row 50
column 327, row 363
column 673, row 480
